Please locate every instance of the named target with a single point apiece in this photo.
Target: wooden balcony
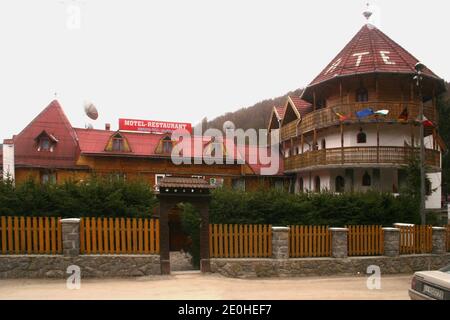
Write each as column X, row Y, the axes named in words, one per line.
column 327, row 117
column 358, row 155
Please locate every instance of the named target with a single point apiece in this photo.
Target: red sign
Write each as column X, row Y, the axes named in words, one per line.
column 152, row 126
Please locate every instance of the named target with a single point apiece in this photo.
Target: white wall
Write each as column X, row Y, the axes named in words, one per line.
column 390, row 135
column 8, row 161
column 434, row 200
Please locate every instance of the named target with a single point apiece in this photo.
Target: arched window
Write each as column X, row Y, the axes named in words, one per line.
column 361, row 137
column 428, row 189
column 366, row 180
column 317, row 184
column 362, row 95
column 117, row 144
column 167, row 145
column 300, row 185
column 340, row 184
column 323, row 144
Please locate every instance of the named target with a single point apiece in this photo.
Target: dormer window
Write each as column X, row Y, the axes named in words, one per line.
column 118, row 143
column 167, row 145
column 46, row 142
column 362, row 95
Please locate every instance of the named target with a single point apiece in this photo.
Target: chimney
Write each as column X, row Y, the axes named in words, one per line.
column 107, row 126
column 8, row 159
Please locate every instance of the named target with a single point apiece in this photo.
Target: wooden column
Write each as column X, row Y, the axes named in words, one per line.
column 412, row 136
column 340, row 92
column 315, row 139
column 377, row 97
column 314, row 100
column 303, row 143
column 378, row 141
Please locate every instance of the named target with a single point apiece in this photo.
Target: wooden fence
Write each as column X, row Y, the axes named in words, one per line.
column 30, row 235
column 365, row 240
column 240, row 241
column 309, row 241
column 119, row 236
column 416, row 239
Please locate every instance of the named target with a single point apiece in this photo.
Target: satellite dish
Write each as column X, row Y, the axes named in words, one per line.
column 90, row 110
column 228, row 125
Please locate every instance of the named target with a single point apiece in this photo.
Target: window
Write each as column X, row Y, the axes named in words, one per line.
column 428, row 189
column 158, row 178
column 321, row 103
column 317, row 184
column 44, row 144
column 366, row 180
column 362, row 95
column 278, row 185
column 361, row 137
column 167, row 145
column 238, row 184
column 48, row 177
column 117, row 144
column 340, row 184
column 323, row 144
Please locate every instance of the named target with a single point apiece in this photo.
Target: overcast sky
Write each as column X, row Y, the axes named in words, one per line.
column 181, row 60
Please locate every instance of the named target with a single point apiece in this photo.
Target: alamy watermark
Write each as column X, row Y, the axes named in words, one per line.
column 230, row 146
column 73, row 282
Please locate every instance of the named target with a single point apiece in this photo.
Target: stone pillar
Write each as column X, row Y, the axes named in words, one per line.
column 280, row 242
column 439, row 238
column 391, row 242
column 339, row 245
column 71, row 237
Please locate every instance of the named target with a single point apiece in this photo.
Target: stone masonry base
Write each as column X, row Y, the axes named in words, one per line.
column 252, row 268
column 99, row 266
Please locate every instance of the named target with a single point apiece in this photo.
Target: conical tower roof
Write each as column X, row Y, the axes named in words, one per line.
column 370, row 51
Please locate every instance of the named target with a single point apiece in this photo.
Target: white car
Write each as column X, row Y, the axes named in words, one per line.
column 431, row 285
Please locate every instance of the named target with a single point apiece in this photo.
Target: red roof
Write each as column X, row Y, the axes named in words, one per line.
column 370, row 51
column 303, row 107
column 280, row 111
column 51, row 121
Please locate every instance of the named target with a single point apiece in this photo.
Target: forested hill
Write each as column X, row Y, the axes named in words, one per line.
column 256, row 116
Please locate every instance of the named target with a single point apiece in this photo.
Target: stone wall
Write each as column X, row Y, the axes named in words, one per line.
column 254, row 268
column 99, row 266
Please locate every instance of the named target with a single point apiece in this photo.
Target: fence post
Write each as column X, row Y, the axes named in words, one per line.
column 439, row 239
column 71, row 237
column 391, row 242
column 280, row 242
column 339, row 243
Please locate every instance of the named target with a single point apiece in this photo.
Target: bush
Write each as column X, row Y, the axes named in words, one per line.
column 96, row 197
column 280, row 208
column 190, row 221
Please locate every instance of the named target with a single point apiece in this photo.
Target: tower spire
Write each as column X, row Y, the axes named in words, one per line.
column 367, row 13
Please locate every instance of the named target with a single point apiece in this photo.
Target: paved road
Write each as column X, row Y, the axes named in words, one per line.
column 197, row 286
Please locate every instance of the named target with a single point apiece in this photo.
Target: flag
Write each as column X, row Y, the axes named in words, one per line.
column 364, row 113
column 382, row 112
column 427, row 123
column 404, row 115
column 341, row 116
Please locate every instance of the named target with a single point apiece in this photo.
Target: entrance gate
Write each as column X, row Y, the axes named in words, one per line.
column 173, row 190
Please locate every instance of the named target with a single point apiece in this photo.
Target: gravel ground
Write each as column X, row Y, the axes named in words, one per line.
column 181, row 286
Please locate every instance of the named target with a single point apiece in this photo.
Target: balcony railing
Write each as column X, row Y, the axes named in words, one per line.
column 359, row 155
column 327, row 117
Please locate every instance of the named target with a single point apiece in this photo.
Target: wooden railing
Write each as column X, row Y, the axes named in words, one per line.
column 327, row 117
column 365, row 240
column 289, row 130
column 240, row 241
column 416, row 239
column 358, row 155
column 30, row 235
column 119, row 236
column 309, row 241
